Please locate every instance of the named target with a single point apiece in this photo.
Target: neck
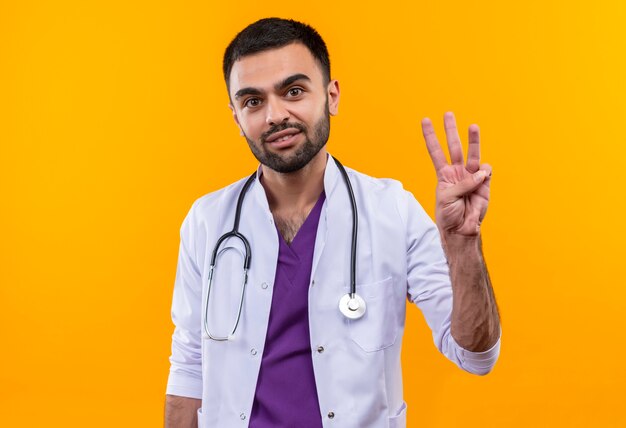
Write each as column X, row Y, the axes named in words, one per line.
column 296, row 191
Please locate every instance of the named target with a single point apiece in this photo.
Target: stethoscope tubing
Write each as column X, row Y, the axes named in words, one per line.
column 246, row 265
column 355, row 228
column 345, row 304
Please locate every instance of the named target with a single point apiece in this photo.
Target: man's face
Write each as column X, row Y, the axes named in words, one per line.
column 282, row 106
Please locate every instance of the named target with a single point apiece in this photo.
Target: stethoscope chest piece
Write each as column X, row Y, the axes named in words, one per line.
column 352, row 306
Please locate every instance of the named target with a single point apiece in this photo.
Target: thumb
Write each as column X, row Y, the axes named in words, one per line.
column 468, row 184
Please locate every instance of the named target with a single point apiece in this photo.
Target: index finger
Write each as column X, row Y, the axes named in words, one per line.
column 432, row 144
column 454, row 142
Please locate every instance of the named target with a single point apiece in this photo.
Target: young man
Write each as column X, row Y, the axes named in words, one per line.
column 299, row 345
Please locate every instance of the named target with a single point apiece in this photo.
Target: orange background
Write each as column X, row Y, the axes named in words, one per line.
column 114, row 119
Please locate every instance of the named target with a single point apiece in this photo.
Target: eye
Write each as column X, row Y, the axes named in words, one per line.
column 252, row 102
column 294, row 92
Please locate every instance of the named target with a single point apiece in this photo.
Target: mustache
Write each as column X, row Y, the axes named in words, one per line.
column 277, row 128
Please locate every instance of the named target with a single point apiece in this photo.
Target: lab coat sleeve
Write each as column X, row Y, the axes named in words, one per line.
column 185, row 378
column 429, row 287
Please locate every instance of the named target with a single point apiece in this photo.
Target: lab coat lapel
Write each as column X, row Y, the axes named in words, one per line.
column 330, row 183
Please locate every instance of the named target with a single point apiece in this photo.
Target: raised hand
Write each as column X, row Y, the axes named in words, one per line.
column 462, row 190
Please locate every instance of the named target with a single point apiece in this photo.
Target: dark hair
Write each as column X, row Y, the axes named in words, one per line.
column 271, row 33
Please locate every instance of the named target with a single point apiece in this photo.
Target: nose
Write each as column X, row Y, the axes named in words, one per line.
column 276, row 112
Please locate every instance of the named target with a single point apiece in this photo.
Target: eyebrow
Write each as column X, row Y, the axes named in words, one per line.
column 246, row 91
column 279, row 86
column 291, row 79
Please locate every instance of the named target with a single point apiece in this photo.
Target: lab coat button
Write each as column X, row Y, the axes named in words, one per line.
column 253, row 351
column 242, row 416
column 331, row 415
column 320, row 349
column 264, row 285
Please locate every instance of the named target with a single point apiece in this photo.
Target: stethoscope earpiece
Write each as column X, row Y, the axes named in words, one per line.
column 352, row 307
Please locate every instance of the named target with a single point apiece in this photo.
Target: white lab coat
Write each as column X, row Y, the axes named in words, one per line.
column 356, row 362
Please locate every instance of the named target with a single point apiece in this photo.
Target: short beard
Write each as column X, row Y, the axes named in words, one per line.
column 311, row 147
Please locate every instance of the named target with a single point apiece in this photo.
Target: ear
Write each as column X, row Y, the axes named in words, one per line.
column 232, row 109
column 333, row 97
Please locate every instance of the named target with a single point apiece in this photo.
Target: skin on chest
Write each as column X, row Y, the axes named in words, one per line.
column 289, row 225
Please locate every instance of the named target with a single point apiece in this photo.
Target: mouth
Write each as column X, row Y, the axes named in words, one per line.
column 282, row 135
column 283, row 141
column 284, row 138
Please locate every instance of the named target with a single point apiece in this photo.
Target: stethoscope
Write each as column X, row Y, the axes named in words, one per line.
column 351, row 305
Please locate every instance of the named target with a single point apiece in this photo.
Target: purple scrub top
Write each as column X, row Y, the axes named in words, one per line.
column 286, row 395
